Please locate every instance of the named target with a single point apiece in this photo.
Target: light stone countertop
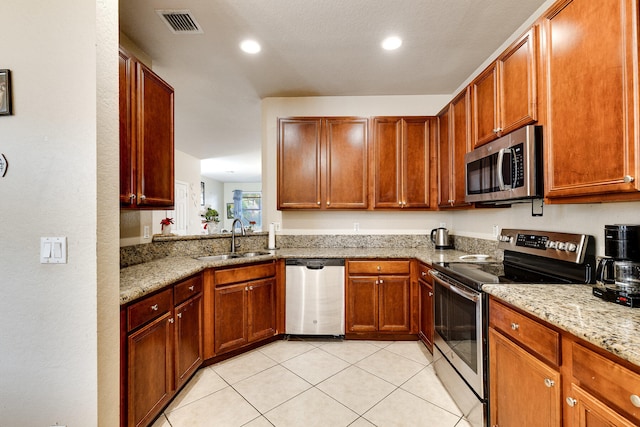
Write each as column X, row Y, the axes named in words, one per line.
column 139, row 280
column 573, row 308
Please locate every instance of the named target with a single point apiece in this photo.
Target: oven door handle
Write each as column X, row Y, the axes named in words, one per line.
column 471, row 296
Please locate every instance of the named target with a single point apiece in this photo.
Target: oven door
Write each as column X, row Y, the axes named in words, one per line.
column 459, row 329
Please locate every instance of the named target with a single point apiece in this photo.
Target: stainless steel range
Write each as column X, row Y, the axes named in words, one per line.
column 461, row 308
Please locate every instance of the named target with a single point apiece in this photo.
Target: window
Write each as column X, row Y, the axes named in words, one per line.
column 252, row 208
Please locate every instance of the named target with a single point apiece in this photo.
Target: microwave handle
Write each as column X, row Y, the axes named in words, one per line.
column 499, row 166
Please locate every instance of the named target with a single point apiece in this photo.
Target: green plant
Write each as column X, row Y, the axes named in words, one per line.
column 211, row 215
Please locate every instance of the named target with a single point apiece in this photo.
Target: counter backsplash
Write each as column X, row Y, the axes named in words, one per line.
column 194, row 246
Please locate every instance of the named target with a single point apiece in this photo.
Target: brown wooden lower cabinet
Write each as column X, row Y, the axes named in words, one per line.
column 542, row 376
column 523, row 390
column 426, row 306
column 244, row 306
column 379, row 297
column 161, row 349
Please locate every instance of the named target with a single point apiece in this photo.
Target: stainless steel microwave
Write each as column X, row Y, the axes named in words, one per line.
column 507, row 169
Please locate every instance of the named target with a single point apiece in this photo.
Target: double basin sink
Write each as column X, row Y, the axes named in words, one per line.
column 232, row 255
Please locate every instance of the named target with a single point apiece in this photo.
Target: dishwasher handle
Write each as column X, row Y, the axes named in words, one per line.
column 315, row 263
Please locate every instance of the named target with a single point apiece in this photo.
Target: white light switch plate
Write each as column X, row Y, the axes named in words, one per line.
column 53, row 250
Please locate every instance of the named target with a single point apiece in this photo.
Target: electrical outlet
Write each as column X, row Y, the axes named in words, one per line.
column 277, row 226
column 146, row 232
column 496, row 230
column 356, row 226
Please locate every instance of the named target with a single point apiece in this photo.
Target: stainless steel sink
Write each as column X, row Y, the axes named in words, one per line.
column 251, row 254
column 218, row 257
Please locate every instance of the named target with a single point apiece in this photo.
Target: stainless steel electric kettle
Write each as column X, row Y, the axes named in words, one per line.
column 440, row 238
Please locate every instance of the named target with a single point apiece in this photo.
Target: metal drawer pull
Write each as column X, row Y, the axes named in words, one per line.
column 154, row 307
column 635, row 400
column 515, row 326
column 549, row 383
column 191, row 288
column 571, row 401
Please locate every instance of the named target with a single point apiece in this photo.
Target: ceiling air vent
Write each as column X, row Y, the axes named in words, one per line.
column 180, row 21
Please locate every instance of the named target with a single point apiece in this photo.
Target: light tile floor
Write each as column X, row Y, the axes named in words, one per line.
column 309, row 383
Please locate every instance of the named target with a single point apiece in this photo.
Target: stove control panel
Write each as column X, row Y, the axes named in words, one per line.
column 562, row 246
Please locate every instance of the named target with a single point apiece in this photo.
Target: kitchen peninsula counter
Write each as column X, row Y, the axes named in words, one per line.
column 139, row 280
column 574, row 309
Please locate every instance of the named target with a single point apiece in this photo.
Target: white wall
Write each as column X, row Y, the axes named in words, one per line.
column 59, row 341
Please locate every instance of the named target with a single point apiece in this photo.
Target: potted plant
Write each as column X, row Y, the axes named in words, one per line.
column 211, row 219
column 166, row 225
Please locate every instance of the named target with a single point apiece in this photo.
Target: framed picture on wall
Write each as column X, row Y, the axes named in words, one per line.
column 229, row 210
column 5, row 92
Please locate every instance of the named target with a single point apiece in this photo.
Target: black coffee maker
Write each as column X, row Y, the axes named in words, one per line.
column 618, row 275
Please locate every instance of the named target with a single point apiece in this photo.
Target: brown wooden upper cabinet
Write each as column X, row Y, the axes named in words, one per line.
column 591, row 79
column 453, row 144
column 146, row 137
column 322, row 163
column 401, row 162
column 504, row 96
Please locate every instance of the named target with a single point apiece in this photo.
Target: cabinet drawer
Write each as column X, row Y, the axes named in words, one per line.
column 606, row 379
column 541, row 340
column 378, row 267
column 423, row 272
column 148, row 309
column 242, row 274
column 186, row 289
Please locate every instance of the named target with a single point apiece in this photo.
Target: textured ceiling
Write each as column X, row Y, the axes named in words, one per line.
column 309, row 48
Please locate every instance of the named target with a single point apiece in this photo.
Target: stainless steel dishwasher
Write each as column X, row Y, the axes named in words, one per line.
column 315, row 296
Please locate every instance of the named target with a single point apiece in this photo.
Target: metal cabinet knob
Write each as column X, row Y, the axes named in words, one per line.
column 250, row 288
column 179, row 315
column 379, row 268
column 635, row 400
column 515, row 326
column 154, row 307
column 571, row 401
column 424, row 273
column 430, row 294
column 549, row 382
column 143, row 197
column 171, row 320
column 132, row 197
column 628, row 179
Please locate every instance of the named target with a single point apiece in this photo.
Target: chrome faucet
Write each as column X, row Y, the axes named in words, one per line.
column 233, row 233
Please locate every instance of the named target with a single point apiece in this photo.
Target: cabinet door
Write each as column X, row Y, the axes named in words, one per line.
column 150, row 370
column 517, row 85
column 362, row 304
column 394, row 304
column 230, row 323
column 485, row 106
column 587, row 411
column 188, row 341
column 347, row 177
column 299, row 163
column 444, row 160
column 460, row 145
column 154, row 139
column 590, row 141
column 426, row 310
column 416, row 156
column 261, row 307
column 127, row 153
column 523, row 390
column 387, row 162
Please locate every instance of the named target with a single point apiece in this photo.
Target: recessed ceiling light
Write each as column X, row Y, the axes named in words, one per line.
column 391, row 43
column 250, row 46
